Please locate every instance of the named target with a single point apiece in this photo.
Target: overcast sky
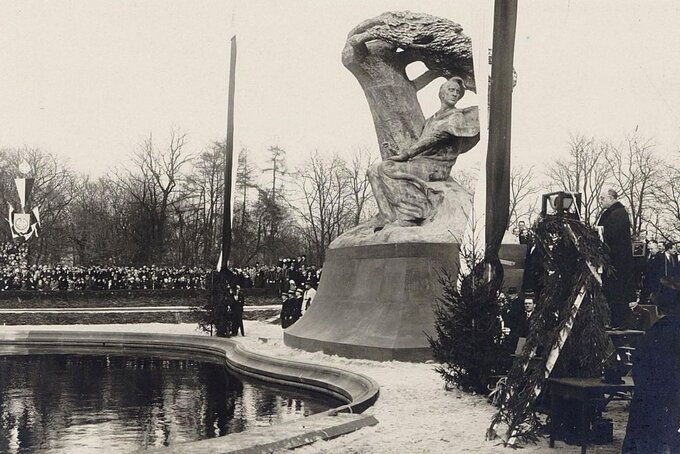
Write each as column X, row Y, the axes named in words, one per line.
column 88, row 80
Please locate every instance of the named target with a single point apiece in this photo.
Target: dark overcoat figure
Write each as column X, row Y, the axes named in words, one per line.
column 287, row 310
column 639, row 318
column 654, row 417
column 617, row 281
column 653, row 272
column 237, row 322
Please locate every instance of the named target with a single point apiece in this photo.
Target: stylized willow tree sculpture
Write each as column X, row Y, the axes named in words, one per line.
column 378, row 51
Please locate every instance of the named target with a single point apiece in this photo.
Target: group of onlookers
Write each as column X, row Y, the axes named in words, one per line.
column 281, row 276
column 295, row 302
column 660, row 260
column 17, row 274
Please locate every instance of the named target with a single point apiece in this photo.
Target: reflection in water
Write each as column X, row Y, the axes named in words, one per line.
column 74, row 403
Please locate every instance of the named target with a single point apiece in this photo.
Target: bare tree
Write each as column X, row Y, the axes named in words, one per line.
column 665, row 220
column 523, row 190
column 635, row 169
column 325, row 201
column 584, row 170
column 201, row 207
column 359, row 186
column 151, row 183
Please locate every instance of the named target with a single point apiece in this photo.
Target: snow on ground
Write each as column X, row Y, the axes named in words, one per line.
column 415, row 413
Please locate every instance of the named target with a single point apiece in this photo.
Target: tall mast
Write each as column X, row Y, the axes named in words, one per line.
column 228, row 161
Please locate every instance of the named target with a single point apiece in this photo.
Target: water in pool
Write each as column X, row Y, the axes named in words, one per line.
column 114, row 404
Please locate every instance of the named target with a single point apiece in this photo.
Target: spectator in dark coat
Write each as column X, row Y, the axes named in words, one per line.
column 654, row 418
column 617, row 280
column 519, row 322
column 237, row 313
column 297, row 305
column 286, row 310
column 652, row 272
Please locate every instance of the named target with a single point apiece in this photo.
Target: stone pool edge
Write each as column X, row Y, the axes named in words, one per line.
column 357, row 391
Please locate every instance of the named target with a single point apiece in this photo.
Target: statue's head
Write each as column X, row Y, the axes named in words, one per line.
column 451, row 91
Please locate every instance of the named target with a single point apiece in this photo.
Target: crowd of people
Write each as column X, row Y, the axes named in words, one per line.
column 292, row 279
column 17, row 274
column 281, row 276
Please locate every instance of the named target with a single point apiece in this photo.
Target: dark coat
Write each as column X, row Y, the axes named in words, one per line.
column 617, row 281
column 652, row 274
column 638, row 318
column 654, row 416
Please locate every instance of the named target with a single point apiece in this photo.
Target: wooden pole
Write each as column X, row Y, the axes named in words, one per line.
column 500, row 110
column 228, row 161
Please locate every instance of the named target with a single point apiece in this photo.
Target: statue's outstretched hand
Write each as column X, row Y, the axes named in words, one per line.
column 397, row 156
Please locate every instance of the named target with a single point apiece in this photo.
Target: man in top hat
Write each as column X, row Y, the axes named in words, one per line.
column 654, row 419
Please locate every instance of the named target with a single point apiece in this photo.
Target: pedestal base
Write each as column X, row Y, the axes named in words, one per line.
column 376, row 302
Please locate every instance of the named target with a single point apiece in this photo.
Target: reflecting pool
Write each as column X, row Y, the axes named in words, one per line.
column 113, row 404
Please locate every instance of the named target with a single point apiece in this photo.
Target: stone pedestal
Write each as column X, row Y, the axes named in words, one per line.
column 376, row 302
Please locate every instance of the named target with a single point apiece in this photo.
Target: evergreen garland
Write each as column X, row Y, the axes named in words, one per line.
column 567, row 247
column 469, row 341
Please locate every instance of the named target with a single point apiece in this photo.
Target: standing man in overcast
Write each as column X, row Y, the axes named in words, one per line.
column 617, row 279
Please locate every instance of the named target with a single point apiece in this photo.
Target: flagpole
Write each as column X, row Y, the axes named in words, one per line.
column 228, row 160
column 500, row 111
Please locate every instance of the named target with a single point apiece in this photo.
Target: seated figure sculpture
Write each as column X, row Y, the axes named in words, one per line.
column 401, row 182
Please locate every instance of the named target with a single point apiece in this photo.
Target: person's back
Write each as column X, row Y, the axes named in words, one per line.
column 654, row 418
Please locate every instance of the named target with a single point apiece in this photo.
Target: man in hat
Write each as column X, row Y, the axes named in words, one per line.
column 286, row 310
column 654, row 419
column 297, row 305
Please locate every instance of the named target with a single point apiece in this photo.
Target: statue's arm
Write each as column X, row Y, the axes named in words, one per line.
column 424, row 143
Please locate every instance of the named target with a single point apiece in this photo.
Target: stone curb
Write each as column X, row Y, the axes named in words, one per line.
column 263, row 440
column 357, row 391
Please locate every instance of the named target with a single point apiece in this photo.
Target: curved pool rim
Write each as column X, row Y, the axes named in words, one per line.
column 356, row 391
